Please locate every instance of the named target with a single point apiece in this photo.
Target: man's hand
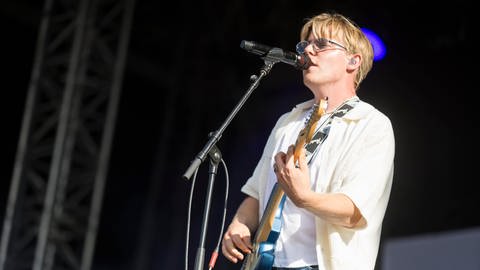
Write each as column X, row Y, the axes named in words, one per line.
column 237, row 238
column 293, row 177
column 235, row 241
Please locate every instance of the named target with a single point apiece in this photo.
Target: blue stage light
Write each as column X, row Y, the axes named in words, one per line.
column 379, row 48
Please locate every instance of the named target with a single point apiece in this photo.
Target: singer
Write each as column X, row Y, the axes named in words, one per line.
column 326, row 169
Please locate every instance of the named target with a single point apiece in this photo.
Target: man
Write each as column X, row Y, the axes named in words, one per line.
column 336, row 192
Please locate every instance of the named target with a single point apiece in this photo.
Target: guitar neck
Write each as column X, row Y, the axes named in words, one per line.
column 303, row 137
column 266, row 223
column 268, row 217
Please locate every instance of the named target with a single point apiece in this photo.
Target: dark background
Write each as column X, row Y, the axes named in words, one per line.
column 185, row 73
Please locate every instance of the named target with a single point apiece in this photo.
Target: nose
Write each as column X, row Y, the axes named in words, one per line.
column 309, row 49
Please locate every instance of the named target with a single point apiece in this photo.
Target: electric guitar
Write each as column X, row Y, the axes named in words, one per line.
column 262, row 255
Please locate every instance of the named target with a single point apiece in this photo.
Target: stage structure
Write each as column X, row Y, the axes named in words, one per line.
column 59, row 174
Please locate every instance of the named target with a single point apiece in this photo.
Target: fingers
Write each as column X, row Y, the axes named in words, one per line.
column 290, row 161
column 242, row 243
column 275, row 167
column 230, row 252
column 233, row 244
column 279, row 163
column 283, row 160
column 291, row 155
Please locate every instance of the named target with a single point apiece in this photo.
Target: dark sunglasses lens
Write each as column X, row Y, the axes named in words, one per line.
column 301, row 46
column 321, row 43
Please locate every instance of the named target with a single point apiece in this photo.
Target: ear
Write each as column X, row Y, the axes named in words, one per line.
column 354, row 61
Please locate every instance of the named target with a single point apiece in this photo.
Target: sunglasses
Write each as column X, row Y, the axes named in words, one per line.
column 318, row 45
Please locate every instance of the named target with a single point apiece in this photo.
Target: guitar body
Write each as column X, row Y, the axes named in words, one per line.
column 263, row 260
column 262, row 255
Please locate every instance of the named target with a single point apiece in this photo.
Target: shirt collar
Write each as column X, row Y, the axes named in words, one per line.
column 305, row 105
column 358, row 112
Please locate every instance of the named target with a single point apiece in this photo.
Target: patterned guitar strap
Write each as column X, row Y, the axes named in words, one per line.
column 322, row 132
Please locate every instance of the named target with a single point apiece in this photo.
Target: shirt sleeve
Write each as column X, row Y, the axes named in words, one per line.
column 369, row 173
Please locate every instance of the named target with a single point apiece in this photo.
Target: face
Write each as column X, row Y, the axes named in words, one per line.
column 328, row 62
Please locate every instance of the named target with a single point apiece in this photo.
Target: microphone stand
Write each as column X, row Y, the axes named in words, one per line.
column 214, row 153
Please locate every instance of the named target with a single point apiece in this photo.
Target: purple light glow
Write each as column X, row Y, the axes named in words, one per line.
column 379, row 49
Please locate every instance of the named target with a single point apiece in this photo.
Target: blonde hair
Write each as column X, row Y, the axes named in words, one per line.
column 345, row 31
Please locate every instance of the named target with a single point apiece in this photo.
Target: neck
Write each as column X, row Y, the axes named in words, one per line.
column 335, row 100
column 337, row 93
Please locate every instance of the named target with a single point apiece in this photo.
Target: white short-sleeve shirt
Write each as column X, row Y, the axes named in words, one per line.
column 356, row 159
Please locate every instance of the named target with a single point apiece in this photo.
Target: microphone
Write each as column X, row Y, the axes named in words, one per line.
column 299, row 61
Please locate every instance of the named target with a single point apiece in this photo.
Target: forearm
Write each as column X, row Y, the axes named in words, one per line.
column 247, row 213
column 335, row 208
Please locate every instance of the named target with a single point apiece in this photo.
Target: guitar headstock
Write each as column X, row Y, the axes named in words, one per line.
column 307, row 132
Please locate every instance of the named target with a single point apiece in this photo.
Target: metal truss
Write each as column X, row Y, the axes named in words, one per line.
column 59, row 174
